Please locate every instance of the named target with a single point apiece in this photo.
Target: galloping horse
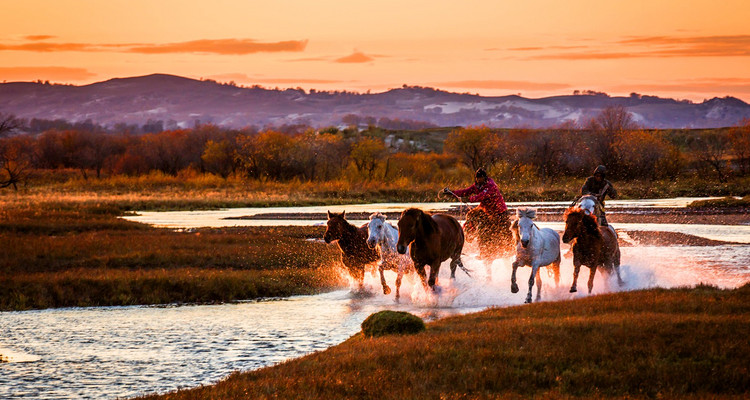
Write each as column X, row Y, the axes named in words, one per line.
column 590, row 205
column 595, row 246
column 536, row 248
column 384, row 236
column 492, row 235
column 355, row 253
column 432, row 240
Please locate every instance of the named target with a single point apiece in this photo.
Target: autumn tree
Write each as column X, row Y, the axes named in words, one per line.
column 606, row 128
column 739, row 145
column 219, row 158
column 475, row 146
column 367, row 154
column 710, row 150
column 645, row 155
column 15, row 160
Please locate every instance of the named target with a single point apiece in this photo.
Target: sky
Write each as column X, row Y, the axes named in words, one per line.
column 683, row 49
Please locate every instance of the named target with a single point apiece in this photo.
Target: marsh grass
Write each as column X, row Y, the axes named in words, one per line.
column 60, row 254
column 681, row 343
column 724, row 202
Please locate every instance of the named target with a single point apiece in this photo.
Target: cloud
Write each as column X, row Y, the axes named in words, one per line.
column 356, row 57
column 204, row 46
column 38, row 37
column 44, row 73
column 222, row 46
column 500, row 84
column 661, row 46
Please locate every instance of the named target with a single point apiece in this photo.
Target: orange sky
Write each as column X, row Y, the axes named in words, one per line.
column 683, row 49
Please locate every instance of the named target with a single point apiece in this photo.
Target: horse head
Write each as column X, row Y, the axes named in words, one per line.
column 335, row 226
column 578, row 222
column 376, row 229
column 525, row 225
column 414, row 223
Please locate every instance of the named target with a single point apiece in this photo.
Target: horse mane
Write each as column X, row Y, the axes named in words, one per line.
column 529, row 213
column 589, row 221
column 429, row 226
column 378, row 215
column 514, row 229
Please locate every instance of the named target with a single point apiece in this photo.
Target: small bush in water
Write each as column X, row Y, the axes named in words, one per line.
column 391, row 322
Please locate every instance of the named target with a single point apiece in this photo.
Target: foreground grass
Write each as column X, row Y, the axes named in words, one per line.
column 61, row 254
column 682, row 343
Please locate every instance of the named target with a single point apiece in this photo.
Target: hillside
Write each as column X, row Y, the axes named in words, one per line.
column 181, row 102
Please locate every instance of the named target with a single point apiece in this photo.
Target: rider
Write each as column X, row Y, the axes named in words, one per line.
column 485, row 191
column 599, row 187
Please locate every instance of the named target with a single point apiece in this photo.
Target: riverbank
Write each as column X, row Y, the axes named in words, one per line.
column 658, row 343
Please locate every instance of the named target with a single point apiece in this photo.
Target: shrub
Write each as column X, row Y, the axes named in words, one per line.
column 392, row 322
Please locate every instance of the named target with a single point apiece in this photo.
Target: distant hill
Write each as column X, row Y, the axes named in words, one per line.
column 181, row 102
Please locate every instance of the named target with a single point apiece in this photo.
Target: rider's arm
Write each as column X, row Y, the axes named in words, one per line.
column 586, row 189
column 465, row 192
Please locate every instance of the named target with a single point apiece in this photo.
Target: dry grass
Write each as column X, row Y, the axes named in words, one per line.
column 683, row 343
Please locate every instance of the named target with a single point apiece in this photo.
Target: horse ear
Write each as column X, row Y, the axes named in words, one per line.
column 329, row 214
column 343, row 214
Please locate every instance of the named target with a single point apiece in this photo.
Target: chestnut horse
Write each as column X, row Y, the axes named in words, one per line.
column 492, row 234
column 595, row 246
column 432, row 240
column 355, row 253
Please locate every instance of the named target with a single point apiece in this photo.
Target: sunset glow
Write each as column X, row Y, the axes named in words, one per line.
column 682, row 49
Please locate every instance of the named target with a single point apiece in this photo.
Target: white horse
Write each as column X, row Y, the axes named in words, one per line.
column 536, row 248
column 385, row 236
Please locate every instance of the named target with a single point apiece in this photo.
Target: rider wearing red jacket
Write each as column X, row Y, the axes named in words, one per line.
column 485, row 191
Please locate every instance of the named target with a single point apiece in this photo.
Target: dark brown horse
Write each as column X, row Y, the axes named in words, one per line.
column 492, row 234
column 595, row 246
column 355, row 253
column 433, row 239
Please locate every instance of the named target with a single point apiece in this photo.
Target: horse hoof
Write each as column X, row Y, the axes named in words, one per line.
column 437, row 289
column 573, row 290
column 514, row 288
column 527, row 301
column 386, row 290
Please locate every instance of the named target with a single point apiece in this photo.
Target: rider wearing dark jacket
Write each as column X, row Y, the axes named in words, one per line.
column 599, row 187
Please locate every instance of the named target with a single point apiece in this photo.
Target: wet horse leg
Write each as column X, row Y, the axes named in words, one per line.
column 422, row 274
column 513, row 285
column 386, row 288
column 538, row 285
column 534, row 275
column 576, row 270
column 398, row 283
column 591, row 278
column 434, row 269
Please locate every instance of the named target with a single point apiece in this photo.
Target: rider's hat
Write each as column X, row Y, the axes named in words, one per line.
column 602, row 170
column 481, row 173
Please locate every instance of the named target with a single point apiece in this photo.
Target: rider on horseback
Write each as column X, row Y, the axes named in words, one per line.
column 599, row 187
column 491, row 201
column 485, row 191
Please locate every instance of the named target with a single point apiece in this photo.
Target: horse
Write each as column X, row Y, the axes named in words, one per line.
column 591, row 206
column 384, row 236
column 432, row 240
column 536, row 248
column 355, row 253
column 492, row 234
column 595, row 246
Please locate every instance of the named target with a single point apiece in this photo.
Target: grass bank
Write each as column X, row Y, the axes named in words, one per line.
column 67, row 253
column 680, row 343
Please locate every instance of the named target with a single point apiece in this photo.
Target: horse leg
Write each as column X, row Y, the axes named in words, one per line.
column 422, row 274
column 538, row 286
column 398, row 283
column 576, row 270
column 534, row 275
column 386, row 289
column 591, row 278
column 617, row 268
column 434, row 269
column 488, row 268
column 513, row 285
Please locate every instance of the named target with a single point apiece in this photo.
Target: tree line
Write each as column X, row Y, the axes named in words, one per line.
column 303, row 153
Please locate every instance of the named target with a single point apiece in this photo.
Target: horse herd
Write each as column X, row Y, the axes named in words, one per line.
column 431, row 239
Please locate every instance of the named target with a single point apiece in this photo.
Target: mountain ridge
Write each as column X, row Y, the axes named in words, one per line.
column 182, row 102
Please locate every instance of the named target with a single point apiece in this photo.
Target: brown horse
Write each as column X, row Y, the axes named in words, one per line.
column 492, row 233
column 433, row 239
column 595, row 246
column 355, row 253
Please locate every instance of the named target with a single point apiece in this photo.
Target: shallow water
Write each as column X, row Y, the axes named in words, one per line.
column 115, row 352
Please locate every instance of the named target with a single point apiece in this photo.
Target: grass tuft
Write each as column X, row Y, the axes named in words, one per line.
column 392, row 323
